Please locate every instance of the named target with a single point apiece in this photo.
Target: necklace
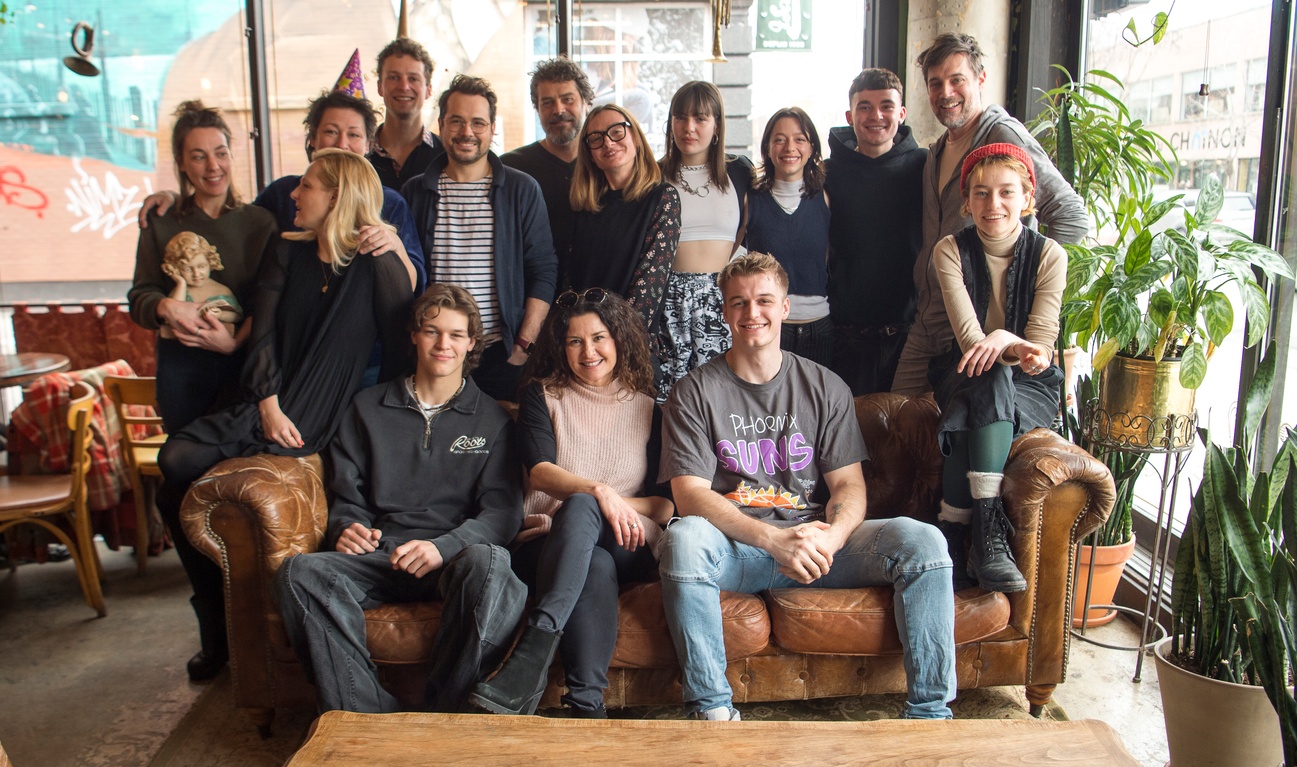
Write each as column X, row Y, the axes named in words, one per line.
column 701, row 191
column 431, row 410
column 327, row 274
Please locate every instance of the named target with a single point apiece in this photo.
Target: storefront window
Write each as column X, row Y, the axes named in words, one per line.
column 78, row 153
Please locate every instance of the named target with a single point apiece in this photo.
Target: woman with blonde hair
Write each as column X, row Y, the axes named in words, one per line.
column 712, row 187
column 318, row 311
column 627, row 219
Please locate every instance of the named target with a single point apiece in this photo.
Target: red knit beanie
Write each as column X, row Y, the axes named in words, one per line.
column 995, row 150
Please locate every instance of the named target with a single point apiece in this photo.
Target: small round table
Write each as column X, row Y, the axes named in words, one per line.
column 22, row 369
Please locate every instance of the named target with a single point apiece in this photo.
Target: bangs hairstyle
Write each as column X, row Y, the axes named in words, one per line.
column 190, row 115
column 359, row 204
column 560, row 70
column 338, row 100
column 589, row 183
column 950, row 44
column 753, row 263
column 442, row 296
column 1001, row 161
column 876, row 79
column 698, row 99
column 548, row 364
column 812, row 174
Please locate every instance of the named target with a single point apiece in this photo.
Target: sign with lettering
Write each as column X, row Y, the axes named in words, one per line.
column 784, row 25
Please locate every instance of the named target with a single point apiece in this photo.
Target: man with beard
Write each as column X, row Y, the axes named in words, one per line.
column 485, row 228
column 561, row 96
column 952, row 70
column 402, row 147
column 875, row 175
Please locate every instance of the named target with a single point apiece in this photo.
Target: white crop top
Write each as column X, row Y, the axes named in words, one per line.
column 706, row 213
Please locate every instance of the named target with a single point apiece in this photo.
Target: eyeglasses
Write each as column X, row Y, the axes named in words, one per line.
column 616, row 132
column 569, row 299
column 457, row 124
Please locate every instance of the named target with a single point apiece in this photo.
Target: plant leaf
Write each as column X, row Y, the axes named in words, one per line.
column 1258, row 311
column 1211, row 198
column 1139, row 252
column 1255, row 253
column 1184, row 253
column 1104, row 354
column 1160, row 305
column 1217, row 316
column 1193, row 366
column 1119, row 316
column 1257, row 398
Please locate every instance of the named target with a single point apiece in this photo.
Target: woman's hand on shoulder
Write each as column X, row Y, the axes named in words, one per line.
column 162, row 200
column 984, row 354
column 376, row 240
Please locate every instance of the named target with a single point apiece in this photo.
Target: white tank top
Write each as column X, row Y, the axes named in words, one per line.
column 706, row 213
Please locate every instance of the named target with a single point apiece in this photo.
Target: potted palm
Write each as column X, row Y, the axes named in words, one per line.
column 1224, row 668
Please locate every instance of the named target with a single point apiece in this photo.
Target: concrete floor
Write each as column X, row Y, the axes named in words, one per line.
column 77, row 690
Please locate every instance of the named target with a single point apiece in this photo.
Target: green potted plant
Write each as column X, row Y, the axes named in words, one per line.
column 1231, row 645
column 1143, row 291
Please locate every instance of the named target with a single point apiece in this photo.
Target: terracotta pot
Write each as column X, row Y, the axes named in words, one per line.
column 1109, row 562
column 1215, row 724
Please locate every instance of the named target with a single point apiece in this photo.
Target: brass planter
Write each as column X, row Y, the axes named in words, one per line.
column 1142, row 405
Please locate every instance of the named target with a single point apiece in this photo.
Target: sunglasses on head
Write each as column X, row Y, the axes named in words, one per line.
column 569, row 299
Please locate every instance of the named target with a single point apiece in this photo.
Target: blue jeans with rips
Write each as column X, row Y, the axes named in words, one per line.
column 699, row 561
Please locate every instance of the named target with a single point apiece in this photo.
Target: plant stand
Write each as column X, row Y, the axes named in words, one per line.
column 1170, row 435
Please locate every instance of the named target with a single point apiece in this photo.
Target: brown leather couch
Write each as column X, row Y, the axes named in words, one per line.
column 249, row 514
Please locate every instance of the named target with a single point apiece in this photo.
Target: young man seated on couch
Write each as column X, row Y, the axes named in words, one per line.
column 763, row 453
column 425, row 491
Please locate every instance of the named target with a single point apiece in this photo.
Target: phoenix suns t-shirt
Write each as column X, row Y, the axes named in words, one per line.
column 765, row 447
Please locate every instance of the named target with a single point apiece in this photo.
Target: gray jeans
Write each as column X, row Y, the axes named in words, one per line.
column 322, row 598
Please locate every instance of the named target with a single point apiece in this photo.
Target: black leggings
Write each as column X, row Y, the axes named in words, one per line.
column 182, row 461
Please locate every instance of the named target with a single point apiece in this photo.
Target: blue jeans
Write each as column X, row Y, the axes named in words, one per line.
column 322, row 598
column 699, row 561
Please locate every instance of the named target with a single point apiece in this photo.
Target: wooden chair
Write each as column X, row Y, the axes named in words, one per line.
column 141, row 452
column 35, row 498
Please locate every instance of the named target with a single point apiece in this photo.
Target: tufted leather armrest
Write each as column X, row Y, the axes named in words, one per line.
column 249, row 515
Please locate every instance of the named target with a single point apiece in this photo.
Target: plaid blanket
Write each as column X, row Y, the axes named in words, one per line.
column 38, row 427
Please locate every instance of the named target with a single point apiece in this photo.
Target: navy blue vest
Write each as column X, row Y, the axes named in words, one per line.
column 798, row 240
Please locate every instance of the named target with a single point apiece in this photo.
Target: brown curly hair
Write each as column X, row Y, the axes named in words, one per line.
column 441, row 295
column 548, row 362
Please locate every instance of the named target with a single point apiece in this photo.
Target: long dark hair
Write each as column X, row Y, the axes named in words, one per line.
column 812, row 174
column 698, row 98
column 548, row 362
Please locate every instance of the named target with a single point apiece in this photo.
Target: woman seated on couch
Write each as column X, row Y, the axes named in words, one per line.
column 589, row 376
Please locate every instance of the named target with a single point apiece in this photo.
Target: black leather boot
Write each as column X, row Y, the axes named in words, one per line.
column 215, row 652
column 957, row 542
column 517, row 688
column 990, row 559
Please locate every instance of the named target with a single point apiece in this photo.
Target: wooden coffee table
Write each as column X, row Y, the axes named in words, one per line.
column 339, row 738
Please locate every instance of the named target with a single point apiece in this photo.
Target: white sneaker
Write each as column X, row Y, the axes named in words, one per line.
column 719, row 714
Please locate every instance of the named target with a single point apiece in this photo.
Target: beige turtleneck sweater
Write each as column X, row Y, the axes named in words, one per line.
column 600, row 434
column 1042, row 322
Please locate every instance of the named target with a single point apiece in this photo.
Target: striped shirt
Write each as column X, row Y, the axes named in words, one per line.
column 463, row 251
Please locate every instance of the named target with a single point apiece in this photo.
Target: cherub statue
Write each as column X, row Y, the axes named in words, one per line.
column 190, row 260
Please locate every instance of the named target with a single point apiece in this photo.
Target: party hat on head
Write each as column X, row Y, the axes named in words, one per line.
column 352, row 81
